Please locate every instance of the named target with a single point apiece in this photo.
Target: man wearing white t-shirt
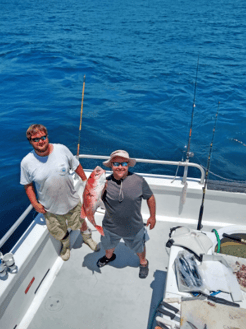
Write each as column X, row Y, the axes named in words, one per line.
column 48, row 166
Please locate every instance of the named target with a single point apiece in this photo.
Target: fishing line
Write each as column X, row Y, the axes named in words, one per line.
column 226, row 179
column 221, row 177
column 199, row 225
column 182, row 160
column 81, row 113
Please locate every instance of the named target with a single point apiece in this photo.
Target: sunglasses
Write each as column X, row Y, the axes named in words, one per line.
column 117, row 164
column 38, row 139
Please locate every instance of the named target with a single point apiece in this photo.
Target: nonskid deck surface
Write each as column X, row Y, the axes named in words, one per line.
column 84, row 296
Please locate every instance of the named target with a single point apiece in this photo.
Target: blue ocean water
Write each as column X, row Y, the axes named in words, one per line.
column 140, row 59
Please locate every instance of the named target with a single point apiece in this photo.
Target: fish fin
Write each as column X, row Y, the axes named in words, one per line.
column 100, row 229
column 83, row 212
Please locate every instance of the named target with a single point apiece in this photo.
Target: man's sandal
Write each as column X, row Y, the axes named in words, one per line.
column 104, row 260
column 144, row 271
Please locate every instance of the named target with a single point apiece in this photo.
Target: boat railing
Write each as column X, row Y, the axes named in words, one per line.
column 100, row 157
column 162, row 162
column 15, row 226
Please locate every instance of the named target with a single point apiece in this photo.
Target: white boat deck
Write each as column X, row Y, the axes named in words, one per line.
column 84, row 296
column 49, row 293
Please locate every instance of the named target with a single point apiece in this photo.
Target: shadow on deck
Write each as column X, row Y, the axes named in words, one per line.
column 86, row 297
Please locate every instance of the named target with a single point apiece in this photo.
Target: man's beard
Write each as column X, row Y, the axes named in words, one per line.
column 43, row 150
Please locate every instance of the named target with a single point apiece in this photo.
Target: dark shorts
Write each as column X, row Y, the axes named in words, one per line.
column 136, row 243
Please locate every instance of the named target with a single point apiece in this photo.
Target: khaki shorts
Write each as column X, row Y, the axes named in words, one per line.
column 58, row 224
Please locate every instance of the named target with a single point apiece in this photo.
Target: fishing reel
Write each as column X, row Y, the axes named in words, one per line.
column 190, row 154
column 187, row 154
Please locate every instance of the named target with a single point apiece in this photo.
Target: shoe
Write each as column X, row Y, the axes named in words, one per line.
column 65, row 252
column 144, row 271
column 104, row 260
column 87, row 238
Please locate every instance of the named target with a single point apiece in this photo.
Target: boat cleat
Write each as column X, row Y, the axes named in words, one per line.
column 8, row 260
column 3, row 269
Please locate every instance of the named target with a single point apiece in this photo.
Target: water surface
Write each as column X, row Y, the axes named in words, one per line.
column 140, row 60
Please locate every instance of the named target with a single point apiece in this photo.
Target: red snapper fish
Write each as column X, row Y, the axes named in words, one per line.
column 92, row 196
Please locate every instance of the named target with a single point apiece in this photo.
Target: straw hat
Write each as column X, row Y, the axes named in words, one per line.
column 120, row 153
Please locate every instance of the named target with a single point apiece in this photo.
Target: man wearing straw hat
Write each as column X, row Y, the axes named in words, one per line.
column 48, row 167
column 122, row 199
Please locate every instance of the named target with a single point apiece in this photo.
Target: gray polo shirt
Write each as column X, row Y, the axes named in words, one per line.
column 122, row 201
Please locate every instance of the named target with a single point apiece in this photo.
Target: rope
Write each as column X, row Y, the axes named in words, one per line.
column 226, row 179
column 218, row 239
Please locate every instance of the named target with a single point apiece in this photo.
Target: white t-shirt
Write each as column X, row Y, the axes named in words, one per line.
column 52, row 179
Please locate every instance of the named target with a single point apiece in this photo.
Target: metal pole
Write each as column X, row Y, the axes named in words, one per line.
column 15, row 226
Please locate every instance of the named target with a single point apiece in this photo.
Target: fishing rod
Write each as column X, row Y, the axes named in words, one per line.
column 81, row 112
column 236, row 140
column 188, row 153
column 199, row 225
column 235, row 238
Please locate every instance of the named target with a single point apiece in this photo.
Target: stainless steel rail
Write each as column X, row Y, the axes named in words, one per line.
column 16, row 224
column 100, row 157
column 162, row 162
